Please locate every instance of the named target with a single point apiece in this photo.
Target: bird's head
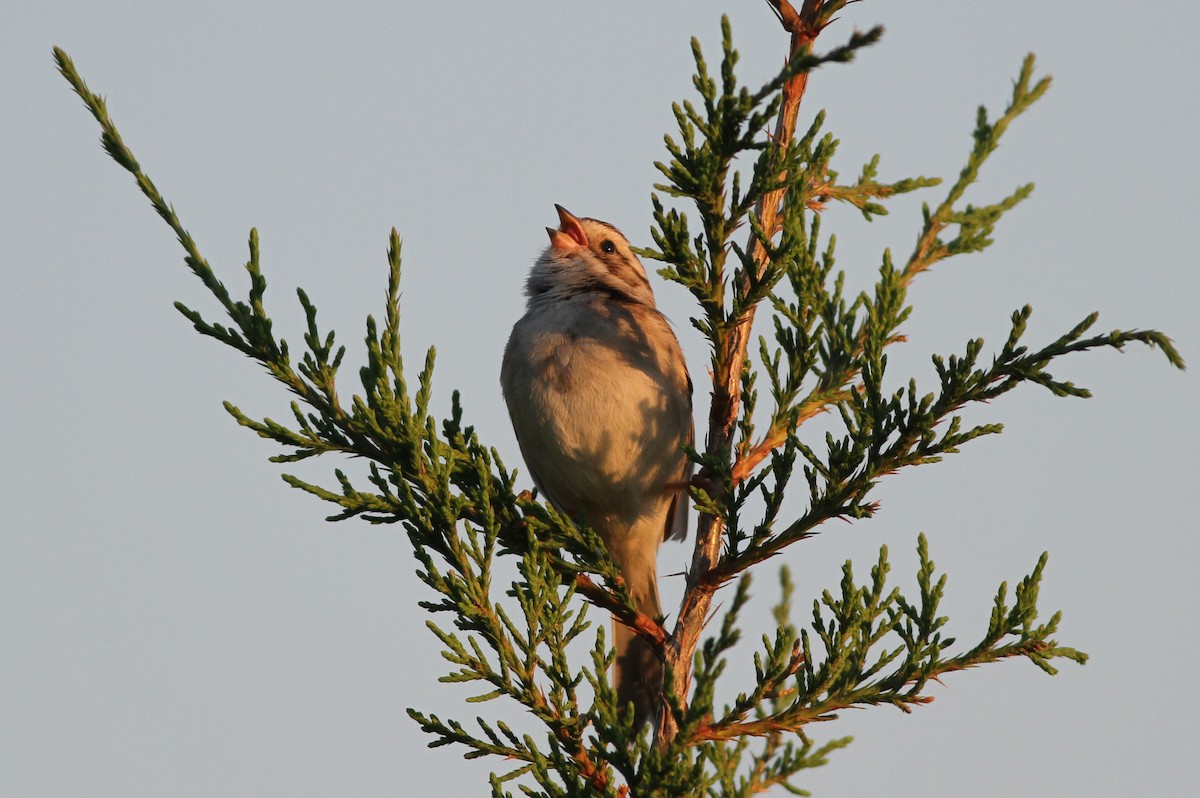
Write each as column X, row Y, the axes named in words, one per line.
column 587, row 255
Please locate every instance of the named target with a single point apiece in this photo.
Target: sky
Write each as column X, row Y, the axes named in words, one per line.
column 175, row 620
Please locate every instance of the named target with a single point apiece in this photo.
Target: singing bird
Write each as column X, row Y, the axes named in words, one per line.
column 601, row 403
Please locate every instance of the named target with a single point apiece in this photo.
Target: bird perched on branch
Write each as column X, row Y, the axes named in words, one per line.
column 601, row 402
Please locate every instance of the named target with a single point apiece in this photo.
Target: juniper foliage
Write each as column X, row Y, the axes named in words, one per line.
column 533, row 647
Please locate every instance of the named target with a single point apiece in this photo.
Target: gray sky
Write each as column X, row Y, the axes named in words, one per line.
column 176, row 621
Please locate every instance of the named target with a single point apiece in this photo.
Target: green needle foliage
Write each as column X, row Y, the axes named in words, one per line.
column 532, row 646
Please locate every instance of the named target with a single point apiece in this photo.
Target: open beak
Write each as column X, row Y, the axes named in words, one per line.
column 569, row 234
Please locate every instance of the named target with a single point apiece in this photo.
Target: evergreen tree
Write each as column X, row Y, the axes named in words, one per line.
column 533, row 647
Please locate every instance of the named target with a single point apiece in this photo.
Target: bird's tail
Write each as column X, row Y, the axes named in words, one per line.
column 638, row 672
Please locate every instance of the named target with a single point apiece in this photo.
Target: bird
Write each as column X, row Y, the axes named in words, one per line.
column 601, row 403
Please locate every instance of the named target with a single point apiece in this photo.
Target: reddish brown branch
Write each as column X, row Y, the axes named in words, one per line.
column 777, row 435
column 597, row 777
column 646, row 627
column 802, row 27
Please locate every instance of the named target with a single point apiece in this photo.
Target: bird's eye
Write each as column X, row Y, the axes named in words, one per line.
column 608, row 246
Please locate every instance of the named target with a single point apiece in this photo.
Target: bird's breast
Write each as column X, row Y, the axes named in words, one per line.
column 596, row 405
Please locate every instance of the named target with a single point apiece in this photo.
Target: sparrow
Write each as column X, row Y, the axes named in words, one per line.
column 601, row 403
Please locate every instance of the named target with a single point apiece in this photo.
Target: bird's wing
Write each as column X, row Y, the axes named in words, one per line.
column 677, row 516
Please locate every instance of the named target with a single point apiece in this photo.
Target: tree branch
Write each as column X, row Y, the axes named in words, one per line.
column 803, row 27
